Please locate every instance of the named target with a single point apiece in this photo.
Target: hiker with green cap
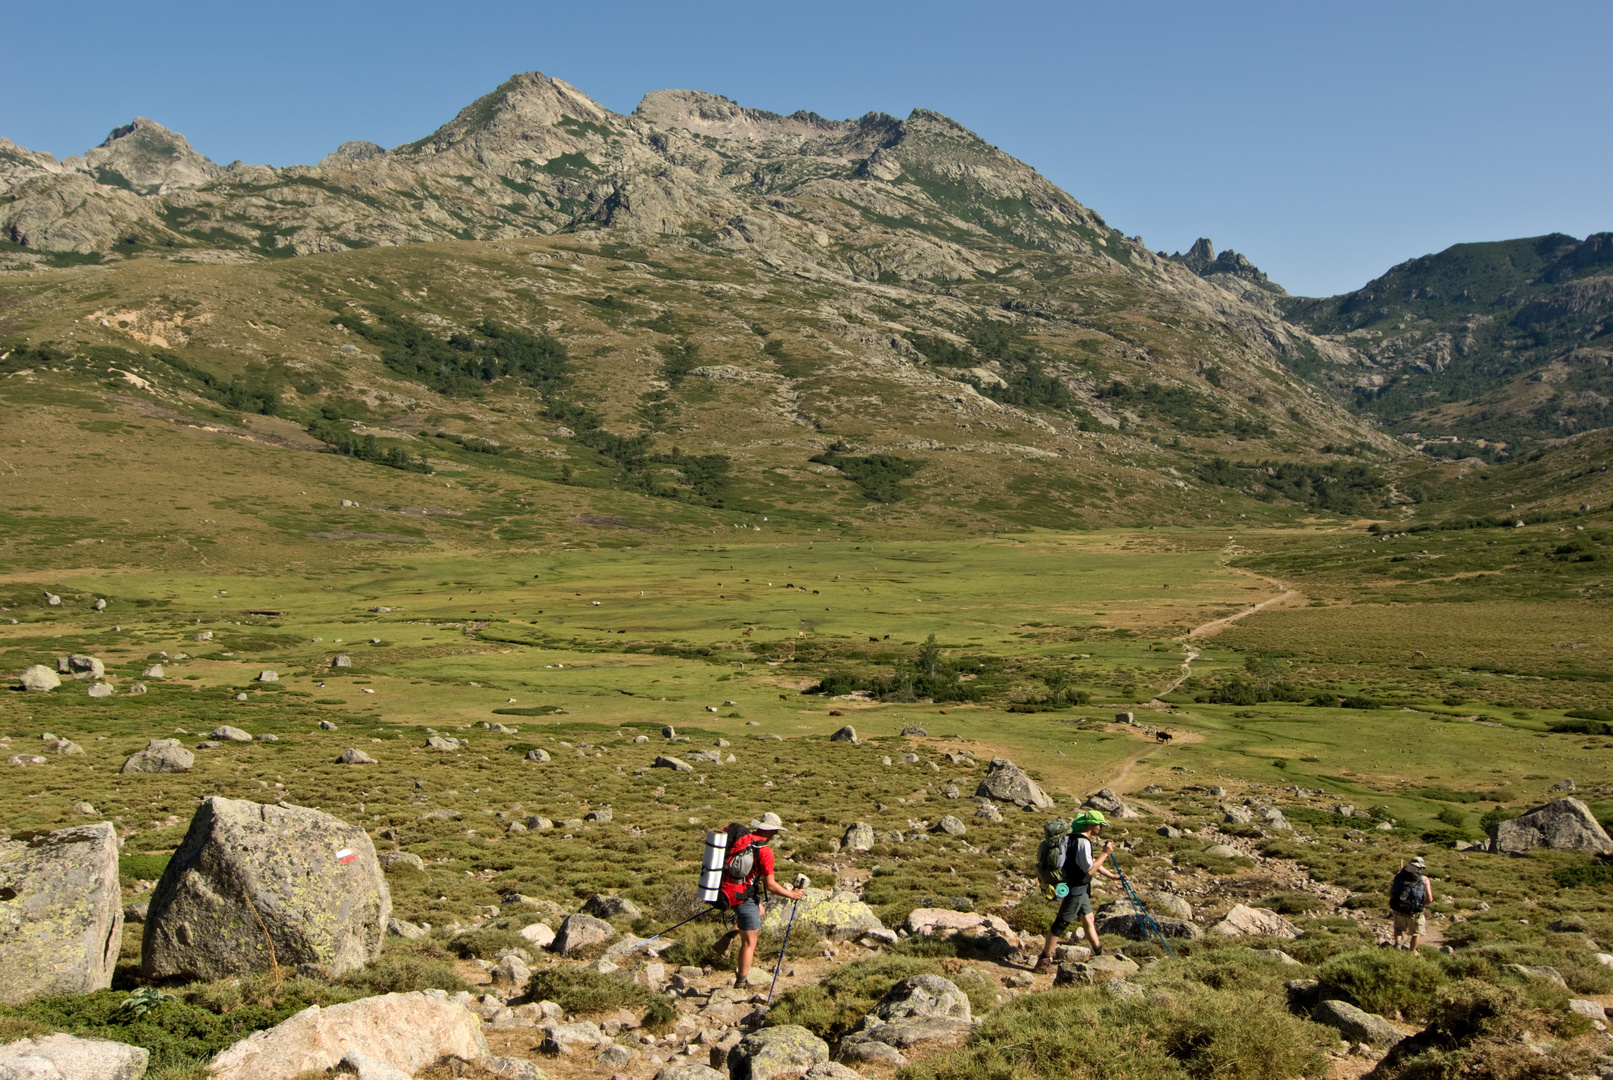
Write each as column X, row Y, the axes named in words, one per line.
column 750, row 871
column 1079, row 869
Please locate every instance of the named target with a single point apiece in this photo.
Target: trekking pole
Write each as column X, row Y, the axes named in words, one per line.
column 1142, row 909
column 801, row 882
column 674, row 926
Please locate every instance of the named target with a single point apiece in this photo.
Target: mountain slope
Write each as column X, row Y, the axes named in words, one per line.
column 1507, row 342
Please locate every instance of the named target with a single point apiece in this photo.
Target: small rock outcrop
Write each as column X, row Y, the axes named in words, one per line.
column 845, row 734
column 160, row 756
column 72, row 1057
column 662, row 761
column 787, row 1050
column 39, row 679
column 1007, row 782
column 354, row 756
column 839, row 916
column 1137, row 927
column 1562, row 825
column 924, row 1010
column 61, row 916
column 580, row 931
column 611, row 907
column 226, row 733
column 859, row 837
column 1254, row 922
column 1356, row 1025
column 252, row 886
column 410, row 1032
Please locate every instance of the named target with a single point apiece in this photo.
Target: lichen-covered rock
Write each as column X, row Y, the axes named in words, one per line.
column 1562, row 825
column 786, row 1050
column 1007, row 782
column 39, row 678
column 61, row 913
column 160, row 756
column 248, row 877
column 838, row 916
column 1254, row 922
column 1356, row 1025
column 924, row 1010
column 71, row 1057
column 579, row 931
column 859, row 837
column 407, row 1031
column 951, row 826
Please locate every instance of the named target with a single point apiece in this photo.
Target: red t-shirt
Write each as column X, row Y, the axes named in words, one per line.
column 760, row 872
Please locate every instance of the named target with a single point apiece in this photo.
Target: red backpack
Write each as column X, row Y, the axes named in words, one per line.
column 740, row 868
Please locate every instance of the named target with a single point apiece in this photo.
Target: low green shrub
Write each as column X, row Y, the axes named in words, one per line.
column 578, row 989
column 397, row 971
column 486, row 943
column 1292, row 903
column 833, row 1006
column 1383, row 981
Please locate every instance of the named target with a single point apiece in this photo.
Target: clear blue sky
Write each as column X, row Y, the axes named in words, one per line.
column 1327, row 141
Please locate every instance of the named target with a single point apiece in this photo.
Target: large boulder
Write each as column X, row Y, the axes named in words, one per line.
column 226, row 733
column 786, row 1050
column 407, row 1031
column 838, row 916
column 664, row 761
column 580, row 931
column 924, row 1010
column 1244, row 921
column 1094, row 970
column 256, row 886
column 845, row 734
column 1105, row 800
column 160, row 756
column 945, row 922
column 1137, row 927
column 611, row 907
column 1007, row 782
column 1562, row 824
column 1356, row 1025
column 40, row 678
column 61, row 913
column 859, row 837
column 69, row 1057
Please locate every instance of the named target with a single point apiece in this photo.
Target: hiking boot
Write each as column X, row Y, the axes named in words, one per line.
column 1044, row 964
column 743, row 982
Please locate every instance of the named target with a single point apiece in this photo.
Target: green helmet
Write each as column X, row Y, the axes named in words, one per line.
column 1089, row 817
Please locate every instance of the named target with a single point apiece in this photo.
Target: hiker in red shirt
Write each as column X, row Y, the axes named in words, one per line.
column 749, row 871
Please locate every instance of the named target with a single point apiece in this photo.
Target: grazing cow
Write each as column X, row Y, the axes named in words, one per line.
column 1162, row 736
column 784, row 697
column 746, row 632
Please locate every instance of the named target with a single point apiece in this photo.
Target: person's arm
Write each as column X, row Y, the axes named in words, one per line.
column 1428, row 889
column 789, row 894
column 1099, row 868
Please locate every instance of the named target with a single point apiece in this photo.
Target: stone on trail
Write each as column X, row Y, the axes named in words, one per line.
column 579, row 931
column 249, row 876
column 845, row 734
column 943, row 923
column 859, row 837
column 694, row 1071
column 354, row 756
column 1562, row 825
column 226, row 733
column 1007, row 782
column 662, row 761
column 512, row 1068
column 411, row 1032
column 240, row 697
column 787, row 1050
column 160, row 756
column 61, row 919
column 838, row 916
column 1254, row 922
column 72, row 1057
column 1357, row 1025
column 1094, row 970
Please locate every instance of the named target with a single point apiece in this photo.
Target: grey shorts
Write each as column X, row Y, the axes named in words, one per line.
column 748, row 916
column 1077, row 904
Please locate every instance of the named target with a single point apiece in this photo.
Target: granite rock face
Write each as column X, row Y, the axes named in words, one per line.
column 253, row 886
column 1007, row 782
column 1562, row 825
column 72, row 1057
column 61, row 913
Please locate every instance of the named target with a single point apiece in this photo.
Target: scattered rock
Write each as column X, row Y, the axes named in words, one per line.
column 540, row 823
column 787, row 1050
column 1108, row 802
column 442, row 742
column 1591, row 1009
column 100, row 690
column 406, row 930
column 154, row 671
column 1237, row 815
column 566, row 1039
column 71, row 1057
column 579, row 931
column 512, row 1068
column 265, row 736
column 368, row 1068
column 61, row 919
column 838, row 916
column 1254, row 922
column 354, row 756
column 1137, row 927
column 989, row 811
column 942, row 922
column 845, row 734
column 407, row 1031
column 1540, row 971
column 1095, row 969
column 951, row 826
column 662, row 761
column 539, row 934
column 65, row 748
column 268, row 676
column 1223, row 851
column 1562, row 825
column 912, row 730
column 1357, row 1025
column 693, row 1071
column 874, row 1053
column 326, row 725
column 1007, row 782
column 247, row 875
column 923, row 1010
column 226, row 733
column 341, row 661
column 603, row 814
column 859, row 836
column 160, row 756
column 669, row 732
column 1169, row 832
column 85, row 667
column 27, row 759
column 537, row 754
column 611, row 907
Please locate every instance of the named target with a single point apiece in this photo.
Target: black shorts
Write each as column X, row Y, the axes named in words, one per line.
column 1075, row 905
column 748, row 915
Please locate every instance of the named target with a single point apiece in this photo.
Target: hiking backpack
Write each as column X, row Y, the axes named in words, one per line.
column 1410, row 897
column 738, row 869
column 1050, row 855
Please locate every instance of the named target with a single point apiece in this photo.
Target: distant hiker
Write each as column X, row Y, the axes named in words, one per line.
column 749, row 871
column 1080, row 866
column 1409, row 893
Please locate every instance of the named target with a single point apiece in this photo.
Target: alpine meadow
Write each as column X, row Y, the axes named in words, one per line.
column 407, row 560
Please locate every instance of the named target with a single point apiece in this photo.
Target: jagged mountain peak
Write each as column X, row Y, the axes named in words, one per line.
column 524, row 107
column 147, row 158
column 1203, row 261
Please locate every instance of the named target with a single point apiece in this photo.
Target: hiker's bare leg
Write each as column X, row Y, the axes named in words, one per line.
column 1090, row 925
column 747, row 950
column 1415, row 938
